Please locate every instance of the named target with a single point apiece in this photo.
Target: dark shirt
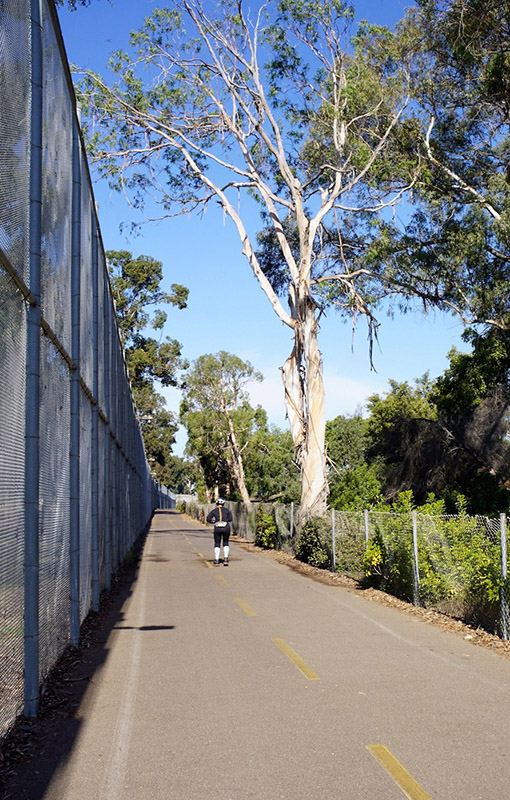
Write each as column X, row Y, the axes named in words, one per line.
column 214, row 515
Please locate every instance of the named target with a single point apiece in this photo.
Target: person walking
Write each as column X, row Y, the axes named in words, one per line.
column 221, row 518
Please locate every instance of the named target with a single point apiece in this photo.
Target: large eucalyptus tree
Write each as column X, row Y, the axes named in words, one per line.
column 274, row 102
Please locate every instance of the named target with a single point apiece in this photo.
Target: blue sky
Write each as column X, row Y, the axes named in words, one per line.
column 227, row 310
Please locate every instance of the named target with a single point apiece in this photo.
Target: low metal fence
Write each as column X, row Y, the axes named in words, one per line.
column 455, row 564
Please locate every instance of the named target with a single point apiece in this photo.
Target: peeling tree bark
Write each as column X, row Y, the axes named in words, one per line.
column 305, row 402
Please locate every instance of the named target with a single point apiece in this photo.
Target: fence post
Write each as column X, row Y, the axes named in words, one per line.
column 74, row 461
column 416, row 571
column 367, row 530
column 504, row 573
column 333, row 542
column 107, row 438
column 95, row 419
column 32, row 382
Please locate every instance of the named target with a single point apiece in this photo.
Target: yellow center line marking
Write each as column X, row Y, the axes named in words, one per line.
column 296, row 660
column 221, row 579
column 200, row 554
column 400, row 775
column 246, row 608
column 207, row 564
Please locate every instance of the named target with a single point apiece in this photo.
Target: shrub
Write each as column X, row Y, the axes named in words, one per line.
column 266, row 531
column 350, row 552
column 374, row 560
column 313, row 545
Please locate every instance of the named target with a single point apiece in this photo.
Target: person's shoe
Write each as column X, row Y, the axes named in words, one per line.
column 216, row 562
column 225, row 562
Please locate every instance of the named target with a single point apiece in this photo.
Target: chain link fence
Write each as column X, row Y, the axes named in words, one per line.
column 75, row 487
column 455, row 564
column 244, row 520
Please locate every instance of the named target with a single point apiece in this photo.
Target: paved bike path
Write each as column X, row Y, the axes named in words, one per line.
column 254, row 682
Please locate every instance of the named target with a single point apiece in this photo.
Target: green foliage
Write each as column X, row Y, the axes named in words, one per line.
column 136, row 288
column 268, row 458
column 354, row 483
column 182, row 475
column 356, row 489
column 350, row 553
column 456, row 245
column 219, row 419
column 313, row 545
column 374, row 560
column 401, row 402
column 458, row 561
column 472, row 377
column 266, row 530
column 158, row 426
column 346, row 439
column 397, row 565
column 401, row 443
column 448, row 436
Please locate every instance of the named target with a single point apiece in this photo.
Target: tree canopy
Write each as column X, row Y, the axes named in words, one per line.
column 455, row 248
column 136, row 289
column 219, row 419
column 271, row 473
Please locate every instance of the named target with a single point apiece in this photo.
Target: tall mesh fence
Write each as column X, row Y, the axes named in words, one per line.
column 39, row 253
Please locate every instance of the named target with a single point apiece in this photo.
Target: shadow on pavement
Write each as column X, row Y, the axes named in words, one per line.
column 144, row 628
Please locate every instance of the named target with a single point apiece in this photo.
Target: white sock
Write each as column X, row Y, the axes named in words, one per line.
column 225, row 551
column 216, row 553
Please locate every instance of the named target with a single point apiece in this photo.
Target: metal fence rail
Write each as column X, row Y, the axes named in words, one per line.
column 75, row 487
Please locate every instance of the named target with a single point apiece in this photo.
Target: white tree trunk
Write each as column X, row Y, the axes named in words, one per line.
column 237, row 463
column 304, row 397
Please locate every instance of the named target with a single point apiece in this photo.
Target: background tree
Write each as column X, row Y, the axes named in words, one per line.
column 454, row 252
column 183, row 476
column 399, row 435
column 448, row 436
column 271, row 474
column 355, row 483
column 456, row 244
column 229, row 105
column 472, row 399
column 136, row 289
column 219, row 418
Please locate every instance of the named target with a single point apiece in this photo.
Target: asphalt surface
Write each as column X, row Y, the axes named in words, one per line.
column 255, row 682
